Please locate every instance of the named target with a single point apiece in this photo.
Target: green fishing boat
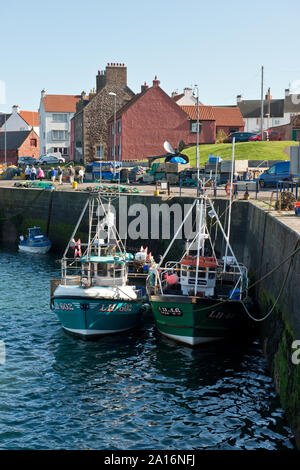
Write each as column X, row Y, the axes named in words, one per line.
column 200, row 298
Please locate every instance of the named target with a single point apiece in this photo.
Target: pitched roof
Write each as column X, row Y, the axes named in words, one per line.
column 61, row 103
column 14, row 139
column 205, row 112
column 252, row 108
column 177, row 97
column 30, row 117
column 292, row 104
column 228, row 116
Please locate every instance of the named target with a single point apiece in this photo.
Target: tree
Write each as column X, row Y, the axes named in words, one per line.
column 221, row 137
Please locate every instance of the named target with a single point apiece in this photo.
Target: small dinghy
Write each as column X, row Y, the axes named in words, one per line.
column 35, row 241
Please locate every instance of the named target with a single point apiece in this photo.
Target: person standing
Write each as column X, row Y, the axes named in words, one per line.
column 53, row 175
column 71, row 174
column 33, row 173
column 247, row 175
column 40, row 174
column 81, row 175
column 59, row 174
column 27, row 172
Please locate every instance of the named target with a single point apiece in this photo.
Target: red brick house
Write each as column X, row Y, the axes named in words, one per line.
column 207, row 124
column 228, row 119
column 148, row 119
column 216, row 118
column 18, row 144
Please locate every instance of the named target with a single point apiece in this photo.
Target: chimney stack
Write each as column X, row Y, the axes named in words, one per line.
column 15, row 109
column 144, row 87
column 83, row 95
column 286, row 92
column 239, row 98
column 43, row 93
column 156, row 82
column 268, row 95
column 115, row 73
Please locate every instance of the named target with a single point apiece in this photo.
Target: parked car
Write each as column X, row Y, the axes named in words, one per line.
column 268, row 135
column 50, row 159
column 279, row 171
column 27, row 161
column 239, row 136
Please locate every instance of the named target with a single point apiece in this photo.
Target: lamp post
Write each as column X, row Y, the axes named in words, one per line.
column 115, row 109
column 197, row 141
column 5, row 144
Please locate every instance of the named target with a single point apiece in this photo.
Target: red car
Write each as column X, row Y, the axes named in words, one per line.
column 268, row 135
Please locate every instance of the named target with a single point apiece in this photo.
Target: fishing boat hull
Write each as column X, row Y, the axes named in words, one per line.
column 35, row 249
column 88, row 316
column 195, row 321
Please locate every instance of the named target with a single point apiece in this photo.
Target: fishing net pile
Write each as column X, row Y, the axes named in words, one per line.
column 286, row 201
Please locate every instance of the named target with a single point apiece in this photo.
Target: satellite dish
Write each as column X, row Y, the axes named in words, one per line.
column 168, row 147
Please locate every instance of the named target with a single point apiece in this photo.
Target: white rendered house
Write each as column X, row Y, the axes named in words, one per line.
column 20, row 120
column 55, row 113
column 186, row 98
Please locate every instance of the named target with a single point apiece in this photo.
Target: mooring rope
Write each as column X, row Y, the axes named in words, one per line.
column 291, row 257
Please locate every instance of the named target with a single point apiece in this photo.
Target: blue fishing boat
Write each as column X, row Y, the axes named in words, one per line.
column 35, row 241
column 93, row 297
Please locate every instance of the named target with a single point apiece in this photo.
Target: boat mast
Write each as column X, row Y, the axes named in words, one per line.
column 201, row 237
column 177, row 232
column 76, row 228
column 230, row 203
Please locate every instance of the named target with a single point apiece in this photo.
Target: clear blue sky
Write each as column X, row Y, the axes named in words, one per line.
column 219, row 45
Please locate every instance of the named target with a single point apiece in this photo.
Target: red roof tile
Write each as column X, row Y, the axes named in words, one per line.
column 228, row 116
column 31, row 117
column 61, row 103
column 205, row 112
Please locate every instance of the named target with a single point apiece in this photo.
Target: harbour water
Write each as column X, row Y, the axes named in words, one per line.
column 136, row 390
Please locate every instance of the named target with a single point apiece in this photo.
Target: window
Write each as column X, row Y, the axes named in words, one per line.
column 272, row 170
column 61, row 150
column 59, row 117
column 119, row 150
column 59, row 135
column 102, row 269
column 194, row 127
column 99, row 151
column 33, row 142
column 119, row 126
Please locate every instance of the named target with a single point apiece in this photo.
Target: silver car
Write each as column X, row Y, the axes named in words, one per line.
column 50, row 159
